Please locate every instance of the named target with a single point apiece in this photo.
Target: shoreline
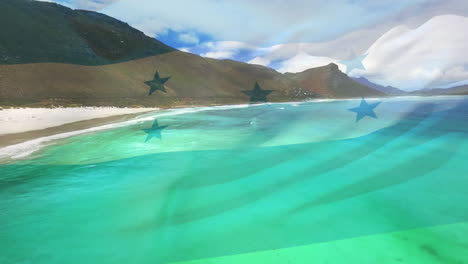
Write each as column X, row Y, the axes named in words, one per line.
column 19, row 120
column 21, row 137
column 19, row 145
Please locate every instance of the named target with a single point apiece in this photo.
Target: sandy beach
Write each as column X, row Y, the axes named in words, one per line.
column 23, row 124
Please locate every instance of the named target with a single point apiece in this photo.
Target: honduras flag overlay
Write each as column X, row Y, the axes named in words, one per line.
column 261, row 184
column 328, row 180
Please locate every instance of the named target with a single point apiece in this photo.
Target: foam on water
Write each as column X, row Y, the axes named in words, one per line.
column 27, row 148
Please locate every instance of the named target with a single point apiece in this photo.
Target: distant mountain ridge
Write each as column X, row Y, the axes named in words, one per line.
column 86, row 58
column 457, row 90
column 390, row 90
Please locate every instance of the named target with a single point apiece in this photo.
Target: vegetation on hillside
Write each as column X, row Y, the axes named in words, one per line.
column 34, row 31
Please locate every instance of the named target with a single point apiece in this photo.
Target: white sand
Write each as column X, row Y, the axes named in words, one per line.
column 29, row 119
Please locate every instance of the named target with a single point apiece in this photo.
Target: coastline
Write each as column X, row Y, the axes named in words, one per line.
column 22, row 144
column 19, row 120
column 23, row 134
column 44, row 128
column 20, row 137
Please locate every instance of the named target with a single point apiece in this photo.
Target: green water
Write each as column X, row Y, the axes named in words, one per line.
column 278, row 183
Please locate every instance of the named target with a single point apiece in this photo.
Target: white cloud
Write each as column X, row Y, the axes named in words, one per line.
column 260, row 22
column 293, row 57
column 189, row 38
column 303, row 61
column 434, row 54
column 229, row 45
column 218, row 54
column 260, row 61
column 223, row 49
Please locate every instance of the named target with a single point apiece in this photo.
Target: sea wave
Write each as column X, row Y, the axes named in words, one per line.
column 27, row 148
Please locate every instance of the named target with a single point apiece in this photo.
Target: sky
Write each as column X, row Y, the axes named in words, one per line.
column 409, row 44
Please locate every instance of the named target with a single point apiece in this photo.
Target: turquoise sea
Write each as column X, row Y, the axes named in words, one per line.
column 272, row 183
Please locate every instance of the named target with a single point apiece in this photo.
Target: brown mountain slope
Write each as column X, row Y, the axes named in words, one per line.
column 53, row 55
column 194, row 81
column 329, row 82
column 37, row 32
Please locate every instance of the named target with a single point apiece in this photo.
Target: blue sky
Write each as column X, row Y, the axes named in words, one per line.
column 294, row 35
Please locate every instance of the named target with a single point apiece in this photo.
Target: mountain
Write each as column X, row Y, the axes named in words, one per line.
column 390, row 90
column 53, row 55
column 34, row 31
column 457, row 90
column 328, row 81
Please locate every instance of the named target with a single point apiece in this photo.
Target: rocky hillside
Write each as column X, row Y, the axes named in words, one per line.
column 390, row 90
column 85, row 58
column 34, row 31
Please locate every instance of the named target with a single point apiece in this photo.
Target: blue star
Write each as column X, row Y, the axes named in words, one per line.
column 364, row 110
column 157, row 83
column 355, row 63
column 257, row 94
column 154, row 131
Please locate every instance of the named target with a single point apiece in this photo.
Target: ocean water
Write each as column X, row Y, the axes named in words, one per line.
column 271, row 183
